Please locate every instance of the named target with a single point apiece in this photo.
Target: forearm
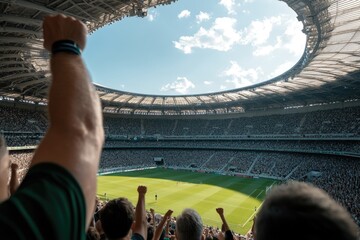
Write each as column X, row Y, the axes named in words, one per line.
column 159, row 229
column 14, row 182
column 75, row 135
column 140, row 217
column 73, row 103
column 226, row 226
column 77, row 113
column 228, row 233
column 153, row 220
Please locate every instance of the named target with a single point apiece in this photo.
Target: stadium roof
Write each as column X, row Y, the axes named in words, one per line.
column 328, row 71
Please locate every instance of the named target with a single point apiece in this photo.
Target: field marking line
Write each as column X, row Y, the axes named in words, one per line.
column 252, row 215
column 248, row 196
column 259, row 194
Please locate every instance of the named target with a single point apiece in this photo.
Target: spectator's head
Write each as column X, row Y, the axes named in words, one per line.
column 189, row 225
column 117, row 218
column 4, row 170
column 300, row 211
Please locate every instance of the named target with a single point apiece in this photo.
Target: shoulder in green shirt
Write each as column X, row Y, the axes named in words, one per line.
column 49, row 204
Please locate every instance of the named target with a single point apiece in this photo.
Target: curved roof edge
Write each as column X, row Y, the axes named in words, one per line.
column 328, row 70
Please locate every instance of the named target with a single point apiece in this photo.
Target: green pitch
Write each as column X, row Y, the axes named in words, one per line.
column 203, row 192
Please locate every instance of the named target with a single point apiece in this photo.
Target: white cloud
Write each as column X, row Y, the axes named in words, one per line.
column 151, row 15
column 184, row 14
column 181, row 85
column 229, row 5
column 208, row 82
column 239, row 77
column 265, row 50
column 258, row 31
column 202, row 16
column 292, row 40
column 221, row 36
column 281, row 69
column 297, row 38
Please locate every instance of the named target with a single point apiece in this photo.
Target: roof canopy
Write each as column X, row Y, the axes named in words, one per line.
column 328, row 71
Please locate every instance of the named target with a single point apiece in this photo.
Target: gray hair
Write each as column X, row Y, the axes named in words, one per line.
column 189, row 225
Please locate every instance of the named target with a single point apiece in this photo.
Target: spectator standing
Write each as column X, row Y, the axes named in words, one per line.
column 189, row 225
column 118, row 217
column 228, row 233
column 56, row 198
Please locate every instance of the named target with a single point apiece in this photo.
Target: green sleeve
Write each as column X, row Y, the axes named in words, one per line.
column 49, row 204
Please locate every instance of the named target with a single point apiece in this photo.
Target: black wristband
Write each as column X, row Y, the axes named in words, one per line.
column 65, row 46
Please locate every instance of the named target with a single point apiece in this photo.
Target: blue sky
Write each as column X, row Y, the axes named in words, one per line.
column 190, row 47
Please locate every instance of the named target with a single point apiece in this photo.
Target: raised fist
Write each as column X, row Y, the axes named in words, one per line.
column 220, row 211
column 60, row 27
column 168, row 213
column 142, row 189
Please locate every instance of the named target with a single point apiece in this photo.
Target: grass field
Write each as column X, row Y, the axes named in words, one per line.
column 203, row 192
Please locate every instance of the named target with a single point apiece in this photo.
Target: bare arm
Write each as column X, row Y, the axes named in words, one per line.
column 75, row 135
column 161, row 225
column 220, row 211
column 140, row 213
column 152, row 211
column 14, row 180
column 167, row 227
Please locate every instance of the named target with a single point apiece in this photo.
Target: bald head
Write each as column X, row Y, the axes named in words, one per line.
column 301, row 211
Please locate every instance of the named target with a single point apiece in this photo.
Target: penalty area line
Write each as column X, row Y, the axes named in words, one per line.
column 252, row 215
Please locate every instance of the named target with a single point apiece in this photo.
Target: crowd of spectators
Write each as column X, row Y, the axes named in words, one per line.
column 219, row 160
column 22, row 120
column 23, row 160
column 160, row 226
column 277, row 158
column 145, row 157
column 340, row 176
column 335, row 121
column 345, row 121
column 22, row 140
column 340, row 146
column 242, row 162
